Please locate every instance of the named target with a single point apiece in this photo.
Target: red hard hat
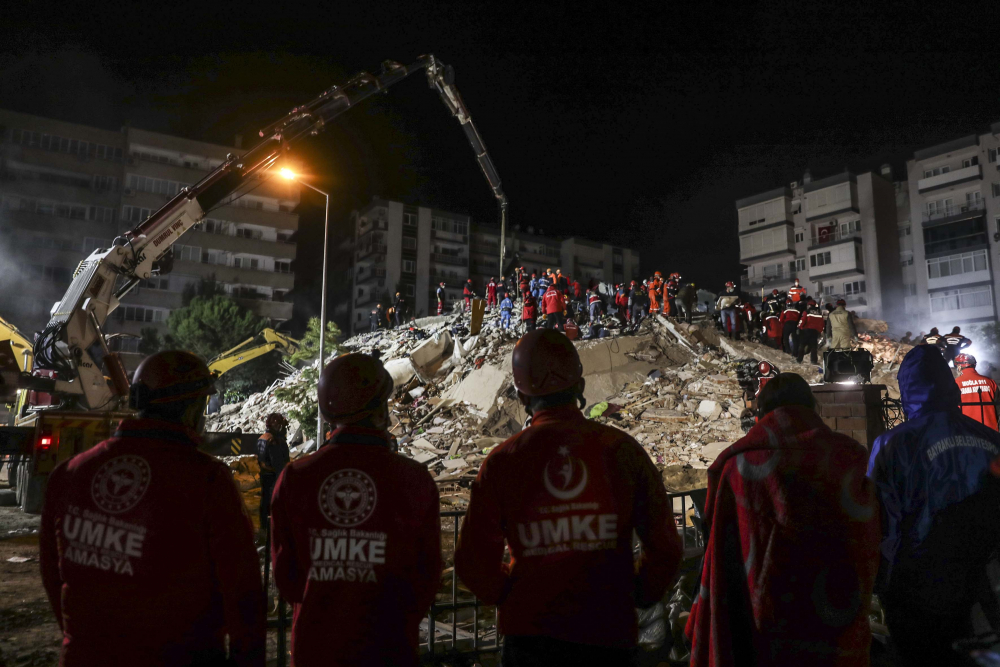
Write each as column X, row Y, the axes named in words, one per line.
column 764, row 368
column 170, row 377
column 351, row 387
column 965, row 361
column 545, row 362
column 730, row 284
column 774, row 292
column 841, row 302
column 442, row 284
column 275, row 420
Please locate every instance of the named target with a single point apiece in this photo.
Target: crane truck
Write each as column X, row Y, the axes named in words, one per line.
column 77, row 387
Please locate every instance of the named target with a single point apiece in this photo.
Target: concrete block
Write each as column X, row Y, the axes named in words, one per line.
column 850, row 397
column 831, row 422
column 836, row 410
column 845, row 424
column 480, row 387
column 858, row 411
column 429, row 355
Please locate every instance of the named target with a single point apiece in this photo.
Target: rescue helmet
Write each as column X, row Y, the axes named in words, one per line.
column 442, row 284
column 492, row 278
column 469, row 280
column 657, row 273
column 633, row 283
column 545, row 362
column 774, row 292
column 956, row 330
column 534, row 275
column 352, row 387
column 841, row 302
column 559, row 272
column 397, row 293
column 764, row 368
column 171, row 376
column 796, row 281
column 730, row 284
column 934, row 332
column 810, row 301
column 965, row 361
column 275, row 421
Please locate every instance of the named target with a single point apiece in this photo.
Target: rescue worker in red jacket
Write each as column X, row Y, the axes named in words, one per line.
column 491, row 294
column 147, row 550
column 797, row 292
column 979, row 393
column 272, row 457
column 356, row 531
column 789, row 325
column 468, row 294
column 440, row 298
column 524, row 285
column 772, row 322
column 529, row 312
column 554, row 308
column 653, row 290
column 565, row 495
column 811, row 325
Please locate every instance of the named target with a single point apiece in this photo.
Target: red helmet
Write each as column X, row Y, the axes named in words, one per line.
column 774, row 292
column 730, row 284
column 841, row 302
column 351, row 387
column 657, row 273
column 965, row 361
column 274, row 421
column 170, row 377
column 633, row 282
column 545, row 362
column 442, row 284
column 764, row 368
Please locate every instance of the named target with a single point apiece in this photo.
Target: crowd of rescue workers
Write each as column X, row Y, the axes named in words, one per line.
column 148, row 554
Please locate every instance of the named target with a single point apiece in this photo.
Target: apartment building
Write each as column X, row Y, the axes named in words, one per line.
column 580, row 258
column 954, row 193
column 838, row 235
column 67, row 189
column 410, row 250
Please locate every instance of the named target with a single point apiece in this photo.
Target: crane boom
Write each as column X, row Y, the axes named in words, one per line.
column 272, row 340
column 72, row 343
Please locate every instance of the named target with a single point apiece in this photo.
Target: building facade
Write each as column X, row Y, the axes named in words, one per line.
column 410, row 250
column 838, row 235
column 952, row 244
column 67, row 189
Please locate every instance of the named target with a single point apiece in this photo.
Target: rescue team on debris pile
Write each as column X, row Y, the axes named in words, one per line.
column 148, row 554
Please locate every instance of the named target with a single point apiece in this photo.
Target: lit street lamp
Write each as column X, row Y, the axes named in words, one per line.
column 292, row 176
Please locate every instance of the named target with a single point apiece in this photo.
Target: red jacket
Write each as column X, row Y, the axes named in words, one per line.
column 978, row 388
column 357, row 550
column 467, row 291
column 790, row 315
column 813, row 320
column 796, row 293
column 529, row 311
column 491, row 290
column 552, row 301
column 791, row 557
column 773, row 325
column 147, row 553
column 577, row 291
column 566, row 494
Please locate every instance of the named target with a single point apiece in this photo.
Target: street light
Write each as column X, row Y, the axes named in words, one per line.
column 290, row 175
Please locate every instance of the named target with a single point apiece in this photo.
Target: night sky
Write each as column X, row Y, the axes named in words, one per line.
column 636, row 126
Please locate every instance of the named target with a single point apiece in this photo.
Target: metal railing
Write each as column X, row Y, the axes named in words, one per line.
column 833, row 236
column 972, row 206
column 462, row 639
column 893, row 414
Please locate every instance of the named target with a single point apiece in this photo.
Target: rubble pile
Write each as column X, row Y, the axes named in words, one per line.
column 671, row 386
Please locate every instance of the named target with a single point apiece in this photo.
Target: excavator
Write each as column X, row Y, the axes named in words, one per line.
column 272, row 340
column 14, row 345
column 77, row 387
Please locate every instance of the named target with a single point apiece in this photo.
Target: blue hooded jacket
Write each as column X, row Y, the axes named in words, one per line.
column 928, row 473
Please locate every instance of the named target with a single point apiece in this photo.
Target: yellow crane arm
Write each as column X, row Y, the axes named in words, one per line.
column 241, row 354
column 18, row 343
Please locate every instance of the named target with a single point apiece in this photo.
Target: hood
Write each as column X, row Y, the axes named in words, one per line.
column 926, row 384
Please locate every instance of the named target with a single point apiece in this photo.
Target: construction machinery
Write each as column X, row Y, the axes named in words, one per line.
column 271, row 340
column 74, row 373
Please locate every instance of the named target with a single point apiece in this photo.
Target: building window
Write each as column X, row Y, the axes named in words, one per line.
column 409, row 243
column 410, row 219
column 187, row 253
column 819, row 259
column 158, row 186
column 958, row 299
column 910, row 289
column 996, row 189
column 57, row 144
column 282, row 266
column 800, row 236
column 941, row 207
column 906, row 260
column 991, row 155
column 828, row 290
column 973, row 199
column 970, row 161
column 855, row 287
column 904, row 231
column 409, row 266
column 955, row 265
column 156, row 282
column 800, row 264
column 936, row 171
column 135, row 214
column 410, row 290
column 847, row 228
column 140, row 314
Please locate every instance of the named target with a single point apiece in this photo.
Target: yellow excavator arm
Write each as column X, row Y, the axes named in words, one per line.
column 272, row 340
column 20, row 346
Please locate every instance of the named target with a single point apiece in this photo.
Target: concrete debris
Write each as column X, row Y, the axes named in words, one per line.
column 671, row 386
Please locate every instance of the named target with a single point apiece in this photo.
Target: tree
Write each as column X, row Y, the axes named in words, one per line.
column 209, row 325
column 309, row 346
column 150, row 341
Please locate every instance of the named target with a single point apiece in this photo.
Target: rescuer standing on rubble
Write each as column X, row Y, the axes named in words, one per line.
column 356, row 531
column 491, row 294
column 842, row 331
column 440, row 297
column 146, row 549
column 565, row 495
column 686, row 296
column 468, row 293
column 940, row 517
column 272, row 457
column 727, row 306
column 529, row 312
column 505, row 307
column 953, row 343
column 797, row 292
column 399, row 309
column 638, row 303
column 789, row 327
column 554, row 308
column 811, row 325
column 978, row 391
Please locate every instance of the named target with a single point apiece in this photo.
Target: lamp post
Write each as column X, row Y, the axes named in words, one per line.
column 292, row 176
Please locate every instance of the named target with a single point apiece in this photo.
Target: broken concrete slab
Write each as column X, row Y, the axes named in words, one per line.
column 429, row 355
column 480, row 387
column 712, row 450
column 665, row 416
column 401, row 371
column 709, row 410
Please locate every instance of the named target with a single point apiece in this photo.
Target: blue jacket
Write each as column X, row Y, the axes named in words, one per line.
column 932, row 479
column 507, row 305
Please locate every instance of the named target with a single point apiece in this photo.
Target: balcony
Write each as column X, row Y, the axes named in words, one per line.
column 486, row 248
column 962, row 175
column 372, row 298
column 832, row 236
column 449, row 236
column 758, row 282
column 948, row 214
column 454, row 260
column 373, row 249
